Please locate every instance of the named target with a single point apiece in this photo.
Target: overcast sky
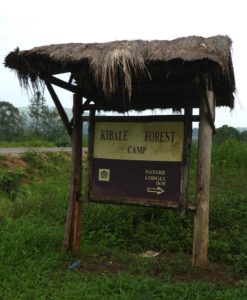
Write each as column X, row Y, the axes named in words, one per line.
column 29, row 23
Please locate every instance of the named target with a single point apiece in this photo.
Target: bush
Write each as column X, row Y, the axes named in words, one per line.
column 10, row 183
column 63, row 141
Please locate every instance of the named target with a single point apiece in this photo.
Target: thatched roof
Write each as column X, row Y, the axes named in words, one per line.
column 138, row 74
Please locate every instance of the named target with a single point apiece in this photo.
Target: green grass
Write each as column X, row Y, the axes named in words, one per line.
column 36, row 143
column 31, row 234
column 27, row 144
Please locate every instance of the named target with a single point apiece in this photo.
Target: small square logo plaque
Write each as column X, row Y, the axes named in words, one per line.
column 104, row 175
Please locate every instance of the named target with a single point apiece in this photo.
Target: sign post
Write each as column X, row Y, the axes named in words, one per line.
column 201, row 220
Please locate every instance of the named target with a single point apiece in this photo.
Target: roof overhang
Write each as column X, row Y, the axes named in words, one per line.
column 125, row 75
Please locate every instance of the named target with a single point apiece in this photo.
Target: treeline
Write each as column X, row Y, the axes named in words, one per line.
column 42, row 124
column 224, row 133
column 39, row 123
column 228, row 133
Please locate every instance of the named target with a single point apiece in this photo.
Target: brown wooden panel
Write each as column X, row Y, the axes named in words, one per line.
column 136, row 179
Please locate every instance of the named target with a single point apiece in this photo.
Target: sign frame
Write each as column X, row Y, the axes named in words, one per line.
column 129, row 200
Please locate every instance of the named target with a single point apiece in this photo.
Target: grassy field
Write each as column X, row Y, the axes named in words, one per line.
column 110, row 265
column 35, row 143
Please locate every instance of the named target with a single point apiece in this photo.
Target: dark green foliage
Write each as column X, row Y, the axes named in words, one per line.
column 41, row 126
column 10, row 183
column 243, row 136
column 54, row 129
column 137, row 229
column 46, row 123
column 62, row 141
column 10, row 122
column 230, row 154
column 38, row 111
column 225, row 133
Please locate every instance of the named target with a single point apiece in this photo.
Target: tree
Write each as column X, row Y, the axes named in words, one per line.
column 46, row 123
column 243, row 136
column 10, row 121
column 38, row 111
column 225, row 133
column 54, row 128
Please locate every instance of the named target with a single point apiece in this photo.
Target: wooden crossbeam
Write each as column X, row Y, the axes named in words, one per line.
column 140, row 202
column 59, row 108
column 167, row 118
column 70, row 79
column 60, row 83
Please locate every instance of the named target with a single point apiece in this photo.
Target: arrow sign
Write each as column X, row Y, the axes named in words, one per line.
column 158, row 190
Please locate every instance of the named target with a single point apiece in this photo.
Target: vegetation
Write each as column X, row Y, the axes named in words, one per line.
column 46, row 123
column 227, row 133
column 41, row 126
column 109, row 265
column 11, row 122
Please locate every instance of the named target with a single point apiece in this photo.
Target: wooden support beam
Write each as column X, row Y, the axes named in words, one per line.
column 73, row 222
column 201, row 220
column 185, row 164
column 144, row 118
column 70, row 78
column 91, row 127
column 161, row 118
column 59, row 108
column 60, row 83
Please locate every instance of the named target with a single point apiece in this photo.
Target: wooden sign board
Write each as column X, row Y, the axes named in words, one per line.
column 137, row 162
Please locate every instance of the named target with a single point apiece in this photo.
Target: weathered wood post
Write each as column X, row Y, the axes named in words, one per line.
column 91, row 126
column 188, row 111
column 73, row 222
column 201, row 220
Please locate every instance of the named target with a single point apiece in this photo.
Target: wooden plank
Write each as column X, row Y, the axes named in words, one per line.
column 194, row 118
column 185, row 163
column 59, row 108
column 149, row 102
column 91, row 126
column 148, row 118
column 140, row 202
column 201, row 221
column 73, row 222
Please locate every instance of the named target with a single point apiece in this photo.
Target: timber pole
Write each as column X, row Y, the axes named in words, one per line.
column 90, row 151
column 201, row 220
column 73, row 221
column 188, row 112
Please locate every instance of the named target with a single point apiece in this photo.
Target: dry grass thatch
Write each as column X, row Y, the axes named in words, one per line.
column 112, row 70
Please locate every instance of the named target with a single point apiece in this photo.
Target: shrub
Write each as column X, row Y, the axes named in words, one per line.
column 10, row 183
